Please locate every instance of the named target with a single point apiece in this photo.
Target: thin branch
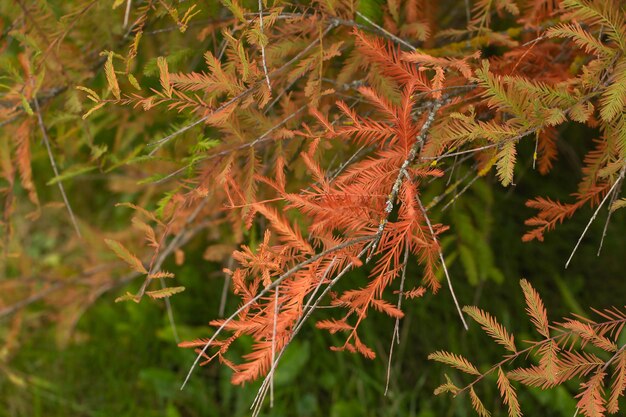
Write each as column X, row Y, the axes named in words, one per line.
column 468, row 12
column 457, row 195
column 6, row 311
column 608, row 219
column 613, row 358
column 46, row 141
column 595, row 213
column 127, row 13
column 395, row 337
column 170, row 312
column 386, row 32
column 456, row 158
column 443, row 262
column 274, row 343
column 225, row 288
column 267, row 77
column 438, row 198
column 159, row 258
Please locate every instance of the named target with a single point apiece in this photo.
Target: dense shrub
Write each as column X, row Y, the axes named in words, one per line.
column 313, row 151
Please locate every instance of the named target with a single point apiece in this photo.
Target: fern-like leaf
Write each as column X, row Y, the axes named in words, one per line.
column 164, row 292
column 613, row 100
column 492, row 327
column 508, row 394
column 591, row 402
column 535, row 309
column 619, row 383
column 456, row 361
column 478, row 404
column 506, row 163
column 125, row 255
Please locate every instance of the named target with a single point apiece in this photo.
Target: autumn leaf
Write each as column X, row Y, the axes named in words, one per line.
column 164, row 292
column 125, row 255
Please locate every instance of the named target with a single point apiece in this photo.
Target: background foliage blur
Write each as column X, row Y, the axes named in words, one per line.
column 98, row 358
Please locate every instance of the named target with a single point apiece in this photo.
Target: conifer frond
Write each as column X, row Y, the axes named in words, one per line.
column 333, row 326
column 533, row 377
column 583, row 38
column 506, row 163
column 455, row 361
column 549, row 362
column 448, row 386
column 164, row 76
column 492, row 327
column 535, row 309
column 561, row 357
column 592, row 402
column 575, row 364
column 478, row 404
column 125, row 255
column 483, row 9
column 336, row 188
column 550, row 214
column 23, row 156
column 161, row 274
column 508, row 394
column 588, row 334
column 619, row 383
column 387, row 308
column 613, row 100
column 415, row 293
column 601, row 12
column 460, row 65
column 290, row 234
column 546, row 149
column 109, row 71
column 390, row 61
column 165, row 292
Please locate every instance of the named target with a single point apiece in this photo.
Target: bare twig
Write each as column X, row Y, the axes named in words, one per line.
column 443, row 262
column 276, row 291
column 395, row 337
column 267, row 77
column 608, row 219
column 386, row 32
column 595, row 213
column 438, row 198
column 224, row 296
column 46, row 141
column 127, row 13
column 457, row 195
